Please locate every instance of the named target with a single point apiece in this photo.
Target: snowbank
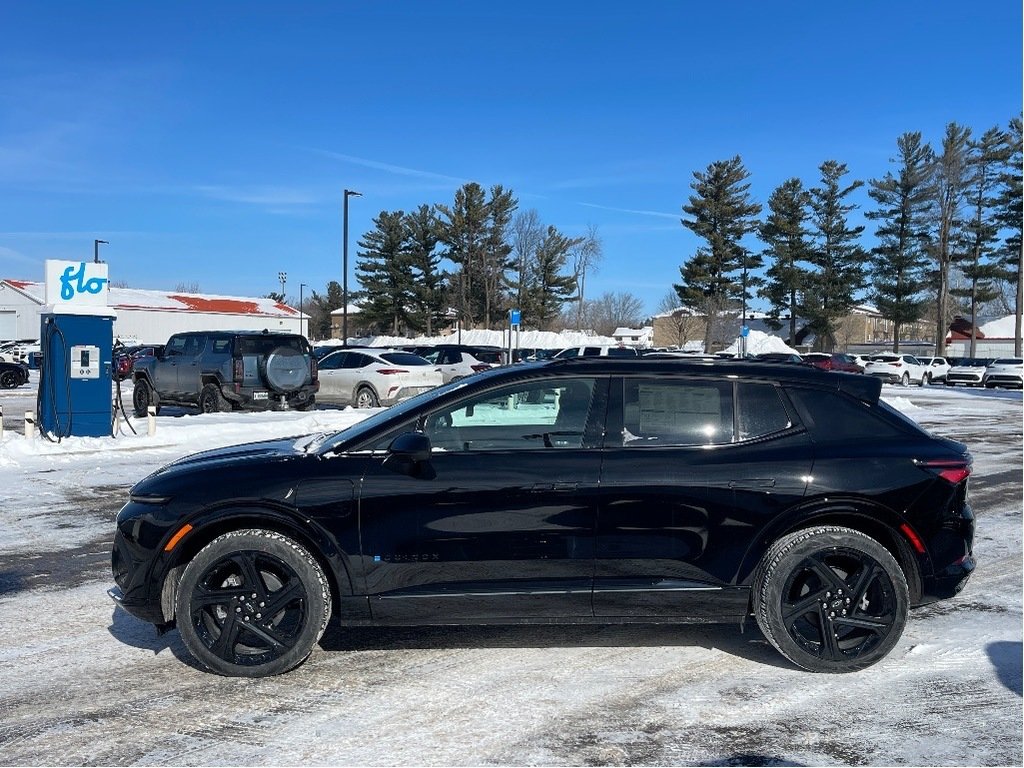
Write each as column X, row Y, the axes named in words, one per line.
column 529, row 339
column 759, row 342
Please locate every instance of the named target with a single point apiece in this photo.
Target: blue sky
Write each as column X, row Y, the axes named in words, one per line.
column 211, row 142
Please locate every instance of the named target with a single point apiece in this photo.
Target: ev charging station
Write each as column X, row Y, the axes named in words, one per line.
column 76, row 338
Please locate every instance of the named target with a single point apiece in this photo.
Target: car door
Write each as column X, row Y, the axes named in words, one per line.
column 330, row 372
column 689, row 475
column 499, row 523
column 190, row 367
column 166, row 367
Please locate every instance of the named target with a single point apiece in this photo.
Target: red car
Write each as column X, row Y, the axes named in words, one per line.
column 836, row 361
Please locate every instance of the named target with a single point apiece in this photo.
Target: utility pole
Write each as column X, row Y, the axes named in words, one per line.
column 96, row 250
column 344, row 267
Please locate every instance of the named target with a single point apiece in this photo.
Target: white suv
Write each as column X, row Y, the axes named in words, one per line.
column 938, row 367
column 1005, row 372
column 897, row 369
column 598, row 350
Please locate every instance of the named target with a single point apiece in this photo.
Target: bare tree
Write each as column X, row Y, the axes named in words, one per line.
column 683, row 326
column 586, row 255
column 527, row 235
column 192, row 287
column 611, row 311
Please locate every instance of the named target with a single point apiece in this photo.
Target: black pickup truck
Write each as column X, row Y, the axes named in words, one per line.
column 228, row 370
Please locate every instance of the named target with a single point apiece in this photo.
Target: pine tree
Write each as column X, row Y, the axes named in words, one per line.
column 722, row 214
column 981, row 229
column 948, row 191
column 464, row 233
column 836, row 257
column 497, row 253
column 321, row 309
column 900, row 260
column 422, row 234
column 1011, row 212
column 384, row 271
column 785, row 233
column 553, row 289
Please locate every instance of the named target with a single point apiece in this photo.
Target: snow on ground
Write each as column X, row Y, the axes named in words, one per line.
column 480, row 337
column 1003, row 328
column 759, row 343
column 84, row 683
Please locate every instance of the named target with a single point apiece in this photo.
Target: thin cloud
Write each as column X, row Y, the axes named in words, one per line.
column 659, row 214
column 277, row 197
column 389, row 167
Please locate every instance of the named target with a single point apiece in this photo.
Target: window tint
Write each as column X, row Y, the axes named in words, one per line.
column 175, row 346
column 835, row 417
column 761, row 411
column 621, row 352
column 220, row 345
column 490, row 356
column 676, row 412
column 591, row 351
column 403, row 358
column 333, row 361
column 356, row 360
column 523, row 416
column 570, row 352
column 264, row 345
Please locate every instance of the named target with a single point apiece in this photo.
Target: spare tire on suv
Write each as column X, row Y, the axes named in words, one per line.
column 285, row 369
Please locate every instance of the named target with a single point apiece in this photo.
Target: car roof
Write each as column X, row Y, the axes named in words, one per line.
column 865, row 388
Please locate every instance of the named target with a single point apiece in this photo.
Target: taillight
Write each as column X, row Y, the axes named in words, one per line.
column 897, row 365
column 390, row 371
column 237, row 369
column 953, row 471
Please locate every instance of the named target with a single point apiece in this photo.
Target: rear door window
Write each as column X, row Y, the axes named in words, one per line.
column 760, row 411
column 676, row 412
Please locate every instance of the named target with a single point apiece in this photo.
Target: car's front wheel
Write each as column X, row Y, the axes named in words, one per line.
column 143, row 396
column 830, row 599
column 9, row 380
column 905, row 381
column 252, row 603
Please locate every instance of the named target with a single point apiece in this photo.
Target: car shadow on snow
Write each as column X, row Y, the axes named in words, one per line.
column 750, row 644
column 137, row 633
column 1006, row 658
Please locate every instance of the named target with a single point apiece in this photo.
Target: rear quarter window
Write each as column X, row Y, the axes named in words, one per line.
column 760, row 411
column 833, row 417
column 264, row 345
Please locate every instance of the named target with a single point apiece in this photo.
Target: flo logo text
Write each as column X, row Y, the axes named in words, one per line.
column 73, row 282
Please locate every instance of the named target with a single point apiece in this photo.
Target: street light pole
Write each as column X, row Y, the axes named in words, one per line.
column 301, row 286
column 96, row 250
column 283, row 277
column 344, row 268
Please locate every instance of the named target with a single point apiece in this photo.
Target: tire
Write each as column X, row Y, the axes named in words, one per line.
column 221, row 594
column 925, row 379
column 905, row 381
column 286, row 370
column 143, row 396
column 830, row 599
column 212, row 400
column 9, row 380
column 366, row 398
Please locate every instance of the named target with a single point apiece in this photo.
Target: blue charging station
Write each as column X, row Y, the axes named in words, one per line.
column 74, row 381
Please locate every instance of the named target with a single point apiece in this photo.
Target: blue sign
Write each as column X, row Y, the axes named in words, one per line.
column 514, row 316
column 745, row 331
column 79, row 283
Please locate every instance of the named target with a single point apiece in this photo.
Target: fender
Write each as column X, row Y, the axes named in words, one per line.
column 862, row 514
column 213, row 521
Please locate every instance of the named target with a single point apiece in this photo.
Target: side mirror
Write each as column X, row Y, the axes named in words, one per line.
column 414, row 446
column 408, row 454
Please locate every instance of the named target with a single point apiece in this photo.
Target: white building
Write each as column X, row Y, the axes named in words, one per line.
column 152, row 316
column 634, row 337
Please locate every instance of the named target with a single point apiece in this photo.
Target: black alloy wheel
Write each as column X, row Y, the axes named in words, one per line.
column 143, row 396
column 252, row 603
column 831, row 599
column 9, row 380
column 212, row 401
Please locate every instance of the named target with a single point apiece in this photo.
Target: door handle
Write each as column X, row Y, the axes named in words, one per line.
column 566, row 487
column 753, row 482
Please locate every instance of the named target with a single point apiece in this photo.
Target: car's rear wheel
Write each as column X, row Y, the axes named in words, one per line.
column 143, row 396
column 366, row 398
column 252, row 603
column 905, row 380
column 212, row 400
column 830, row 599
column 8, row 380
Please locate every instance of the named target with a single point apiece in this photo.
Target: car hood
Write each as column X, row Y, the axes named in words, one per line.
column 227, row 468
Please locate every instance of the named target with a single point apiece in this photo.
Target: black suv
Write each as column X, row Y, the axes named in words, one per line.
column 591, row 490
column 227, row 370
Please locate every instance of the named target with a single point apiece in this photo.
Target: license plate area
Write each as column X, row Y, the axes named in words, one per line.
column 260, row 395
